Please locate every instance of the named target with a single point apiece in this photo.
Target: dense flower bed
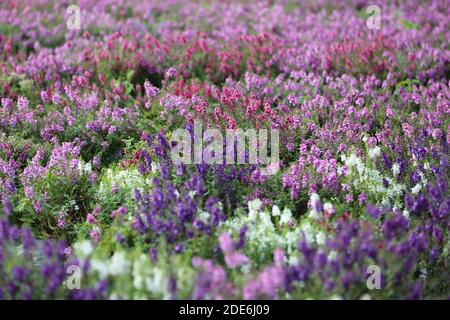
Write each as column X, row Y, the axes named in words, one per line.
column 93, row 205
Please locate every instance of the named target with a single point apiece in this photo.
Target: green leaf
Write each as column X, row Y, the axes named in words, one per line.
column 130, row 74
column 22, row 205
column 407, row 84
column 128, row 87
column 7, row 29
column 26, row 219
column 409, row 25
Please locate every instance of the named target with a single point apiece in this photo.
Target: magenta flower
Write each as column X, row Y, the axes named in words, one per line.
column 91, row 219
column 170, row 73
column 233, row 258
column 95, row 233
column 226, row 243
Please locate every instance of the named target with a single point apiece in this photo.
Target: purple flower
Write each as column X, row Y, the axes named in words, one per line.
column 90, row 219
column 171, row 72
column 373, row 211
column 235, row 259
column 362, row 198
column 226, row 243
column 7, row 207
column 232, row 258
column 150, row 90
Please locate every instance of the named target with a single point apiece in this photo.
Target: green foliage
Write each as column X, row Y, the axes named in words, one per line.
column 57, row 195
column 409, row 25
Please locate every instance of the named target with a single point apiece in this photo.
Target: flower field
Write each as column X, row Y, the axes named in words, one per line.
column 98, row 200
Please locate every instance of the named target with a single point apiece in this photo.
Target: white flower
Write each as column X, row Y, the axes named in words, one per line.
column 157, row 282
column 252, row 215
column 286, row 216
column 138, row 269
column 314, row 214
column 84, row 167
column 265, row 219
column 192, row 194
column 124, row 179
column 291, row 238
column 101, row 267
column 320, row 238
column 395, row 169
column 119, row 264
column 293, row 260
column 314, row 199
column 406, row 214
column 155, row 167
column 276, row 211
column 308, row 232
column 204, row 216
column 254, row 204
column 253, row 207
column 361, row 168
column 328, row 207
column 113, row 296
column 352, row 160
column 246, row 268
column 138, row 282
column 367, row 179
column 416, row 189
column 423, row 178
column 366, row 296
column 423, row 273
column 332, row 255
column 375, row 152
column 83, row 248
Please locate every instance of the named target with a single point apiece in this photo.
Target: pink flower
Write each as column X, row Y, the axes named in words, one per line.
column 120, row 212
column 95, row 233
column 29, row 192
column 348, row 198
column 93, row 178
column 407, row 129
column 90, row 219
column 171, row 72
column 389, row 112
column 96, row 211
column 61, row 223
column 362, row 198
column 150, row 90
column 22, row 103
column 37, row 206
column 278, row 257
column 68, row 251
column 225, row 243
column 235, row 259
column 232, row 258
